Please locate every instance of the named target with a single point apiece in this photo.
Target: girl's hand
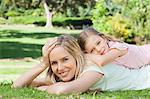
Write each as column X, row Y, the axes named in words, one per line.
column 46, row 49
column 97, row 59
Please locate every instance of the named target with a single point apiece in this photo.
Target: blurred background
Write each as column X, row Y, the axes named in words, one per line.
column 25, row 25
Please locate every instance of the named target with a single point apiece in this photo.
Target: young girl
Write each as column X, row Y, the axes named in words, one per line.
column 102, row 49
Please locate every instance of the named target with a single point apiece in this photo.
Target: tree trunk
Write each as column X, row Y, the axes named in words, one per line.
column 48, row 16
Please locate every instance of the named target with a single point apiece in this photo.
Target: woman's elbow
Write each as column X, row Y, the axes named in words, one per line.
column 61, row 91
column 14, row 85
column 18, row 85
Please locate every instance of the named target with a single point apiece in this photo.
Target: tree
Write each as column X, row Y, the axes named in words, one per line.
column 53, row 6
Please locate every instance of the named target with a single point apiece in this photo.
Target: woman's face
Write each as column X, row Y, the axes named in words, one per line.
column 63, row 64
column 96, row 45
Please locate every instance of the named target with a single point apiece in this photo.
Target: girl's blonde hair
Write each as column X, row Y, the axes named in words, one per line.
column 70, row 44
column 89, row 32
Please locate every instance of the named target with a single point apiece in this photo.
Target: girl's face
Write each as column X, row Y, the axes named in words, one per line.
column 63, row 64
column 96, row 45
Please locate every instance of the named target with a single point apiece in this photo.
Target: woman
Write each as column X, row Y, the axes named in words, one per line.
column 68, row 72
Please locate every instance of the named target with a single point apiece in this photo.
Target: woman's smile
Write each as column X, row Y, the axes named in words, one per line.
column 64, row 74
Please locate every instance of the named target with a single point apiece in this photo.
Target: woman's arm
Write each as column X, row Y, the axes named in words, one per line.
column 81, row 84
column 40, row 82
column 29, row 76
column 110, row 56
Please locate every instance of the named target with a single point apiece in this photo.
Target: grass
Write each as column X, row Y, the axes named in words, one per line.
column 12, row 70
column 6, row 92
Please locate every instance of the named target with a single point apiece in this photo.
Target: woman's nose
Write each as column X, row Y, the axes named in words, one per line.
column 60, row 66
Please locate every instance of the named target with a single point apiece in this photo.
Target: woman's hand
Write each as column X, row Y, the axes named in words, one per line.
column 46, row 49
column 57, row 88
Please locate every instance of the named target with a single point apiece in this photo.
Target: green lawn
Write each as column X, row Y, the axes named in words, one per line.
column 19, row 42
column 6, row 92
column 12, row 70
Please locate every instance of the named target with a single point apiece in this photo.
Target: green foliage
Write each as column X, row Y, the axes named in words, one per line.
column 125, row 19
column 12, row 13
column 75, row 8
column 83, row 12
column 9, row 8
column 3, row 20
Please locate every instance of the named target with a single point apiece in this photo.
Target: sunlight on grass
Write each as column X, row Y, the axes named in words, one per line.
column 12, row 70
column 29, row 93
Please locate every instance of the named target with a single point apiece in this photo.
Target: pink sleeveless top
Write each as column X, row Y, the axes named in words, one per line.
column 136, row 57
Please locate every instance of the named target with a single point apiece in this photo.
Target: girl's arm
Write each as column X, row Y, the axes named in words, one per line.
column 27, row 78
column 81, row 84
column 110, row 56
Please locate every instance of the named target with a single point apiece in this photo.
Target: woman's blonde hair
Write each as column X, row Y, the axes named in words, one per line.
column 91, row 31
column 70, row 44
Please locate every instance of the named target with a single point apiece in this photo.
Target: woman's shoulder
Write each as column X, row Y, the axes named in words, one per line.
column 90, row 66
column 89, row 63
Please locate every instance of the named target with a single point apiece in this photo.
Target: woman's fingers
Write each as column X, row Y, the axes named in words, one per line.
column 47, row 48
column 48, row 44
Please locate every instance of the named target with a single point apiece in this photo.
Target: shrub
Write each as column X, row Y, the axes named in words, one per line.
column 3, row 20
column 125, row 19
